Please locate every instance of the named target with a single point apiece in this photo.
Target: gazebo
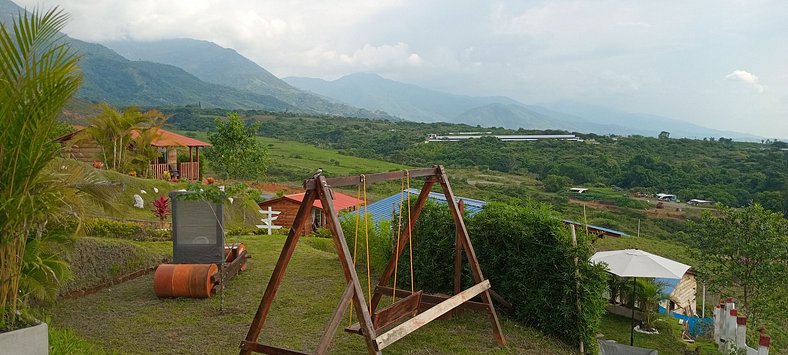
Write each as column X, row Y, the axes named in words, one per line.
column 167, row 142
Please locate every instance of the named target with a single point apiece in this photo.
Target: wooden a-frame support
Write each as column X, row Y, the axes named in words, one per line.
column 319, row 188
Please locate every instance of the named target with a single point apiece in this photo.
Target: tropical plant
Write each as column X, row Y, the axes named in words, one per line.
column 236, row 153
column 38, row 74
column 125, row 137
column 42, row 196
column 648, row 294
column 161, row 208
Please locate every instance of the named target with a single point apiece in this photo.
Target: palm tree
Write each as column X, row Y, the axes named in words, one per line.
column 112, row 130
column 38, row 75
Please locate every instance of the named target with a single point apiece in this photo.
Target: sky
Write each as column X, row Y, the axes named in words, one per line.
column 717, row 63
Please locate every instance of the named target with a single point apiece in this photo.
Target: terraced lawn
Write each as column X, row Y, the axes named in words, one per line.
column 129, row 319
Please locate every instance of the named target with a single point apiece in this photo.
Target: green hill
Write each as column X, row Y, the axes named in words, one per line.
column 224, row 66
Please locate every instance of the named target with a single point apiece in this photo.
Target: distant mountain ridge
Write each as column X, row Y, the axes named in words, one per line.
column 110, row 77
column 408, row 101
column 224, row 66
column 416, row 103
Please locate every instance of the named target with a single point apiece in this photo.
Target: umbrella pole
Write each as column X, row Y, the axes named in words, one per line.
column 632, row 330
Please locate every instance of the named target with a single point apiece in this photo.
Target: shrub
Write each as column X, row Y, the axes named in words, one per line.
column 556, row 183
column 107, row 228
column 527, row 255
column 380, row 240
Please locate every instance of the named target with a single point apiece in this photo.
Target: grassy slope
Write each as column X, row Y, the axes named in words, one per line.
column 667, row 341
column 128, row 318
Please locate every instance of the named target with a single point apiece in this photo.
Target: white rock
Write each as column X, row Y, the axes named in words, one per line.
column 156, row 190
column 138, row 202
column 230, row 199
column 143, row 191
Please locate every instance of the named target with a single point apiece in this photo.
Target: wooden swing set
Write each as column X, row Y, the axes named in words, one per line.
column 379, row 327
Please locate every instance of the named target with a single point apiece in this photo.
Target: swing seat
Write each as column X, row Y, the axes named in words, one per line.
column 390, row 336
column 392, row 314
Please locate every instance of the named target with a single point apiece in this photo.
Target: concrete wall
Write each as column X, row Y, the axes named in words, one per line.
column 28, row 341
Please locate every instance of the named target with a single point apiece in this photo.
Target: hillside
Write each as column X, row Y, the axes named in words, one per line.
column 110, row 77
column 410, row 102
column 224, row 66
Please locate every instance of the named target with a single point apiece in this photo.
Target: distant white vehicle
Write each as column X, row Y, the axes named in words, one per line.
column 666, row 197
column 579, row 190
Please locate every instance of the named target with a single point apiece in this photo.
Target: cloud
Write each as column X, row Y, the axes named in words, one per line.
column 368, row 56
column 746, row 77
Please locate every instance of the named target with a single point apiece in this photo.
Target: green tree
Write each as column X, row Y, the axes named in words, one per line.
column 742, row 251
column 664, row 135
column 236, row 152
column 556, row 183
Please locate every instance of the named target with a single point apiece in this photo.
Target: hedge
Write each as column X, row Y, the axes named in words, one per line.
column 527, row 254
column 108, row 228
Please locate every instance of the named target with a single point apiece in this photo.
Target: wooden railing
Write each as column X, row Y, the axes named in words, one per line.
column 190, row 171
column 187, row 170
column 157, row 171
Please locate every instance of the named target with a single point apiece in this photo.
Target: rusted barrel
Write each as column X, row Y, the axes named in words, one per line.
column 184, row 280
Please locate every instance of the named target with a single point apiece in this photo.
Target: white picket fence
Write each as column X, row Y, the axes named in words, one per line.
column 730, row 330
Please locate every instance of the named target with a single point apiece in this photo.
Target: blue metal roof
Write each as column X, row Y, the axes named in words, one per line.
column 598, row 228
column 384, row 209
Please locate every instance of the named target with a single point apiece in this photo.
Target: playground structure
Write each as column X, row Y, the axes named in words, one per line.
column 379, row 327
column 201, row 261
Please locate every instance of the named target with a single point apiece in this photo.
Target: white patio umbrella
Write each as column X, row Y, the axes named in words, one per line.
column 636, row 263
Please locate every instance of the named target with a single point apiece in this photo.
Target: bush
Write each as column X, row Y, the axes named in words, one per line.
column 527, row 255
column 107, row 228
column 380, row 240
column 556, row 183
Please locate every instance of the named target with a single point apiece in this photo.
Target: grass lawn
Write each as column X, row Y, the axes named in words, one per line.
column 666, row 342
column 128, row 318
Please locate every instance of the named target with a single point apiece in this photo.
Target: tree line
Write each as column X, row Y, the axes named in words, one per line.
column 732, row 173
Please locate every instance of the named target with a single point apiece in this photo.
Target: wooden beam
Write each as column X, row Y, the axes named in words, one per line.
column 345, row 259
column 333, row 323
column 267, row 349
column 372, row 178
column 422, row 319
column 432, row 300
column 476, row 270
column 458, row 252
column 279, row 272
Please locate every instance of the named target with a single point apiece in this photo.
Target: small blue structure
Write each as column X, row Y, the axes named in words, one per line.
column 384, row 209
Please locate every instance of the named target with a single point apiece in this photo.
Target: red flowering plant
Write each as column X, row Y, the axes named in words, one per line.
column 161, row 208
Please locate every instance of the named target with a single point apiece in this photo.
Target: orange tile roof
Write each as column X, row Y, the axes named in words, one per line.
column 170, row 139
column 341, row 201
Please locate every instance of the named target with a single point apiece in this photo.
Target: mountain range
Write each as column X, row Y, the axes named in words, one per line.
column 411, row 102
column 177, row 72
